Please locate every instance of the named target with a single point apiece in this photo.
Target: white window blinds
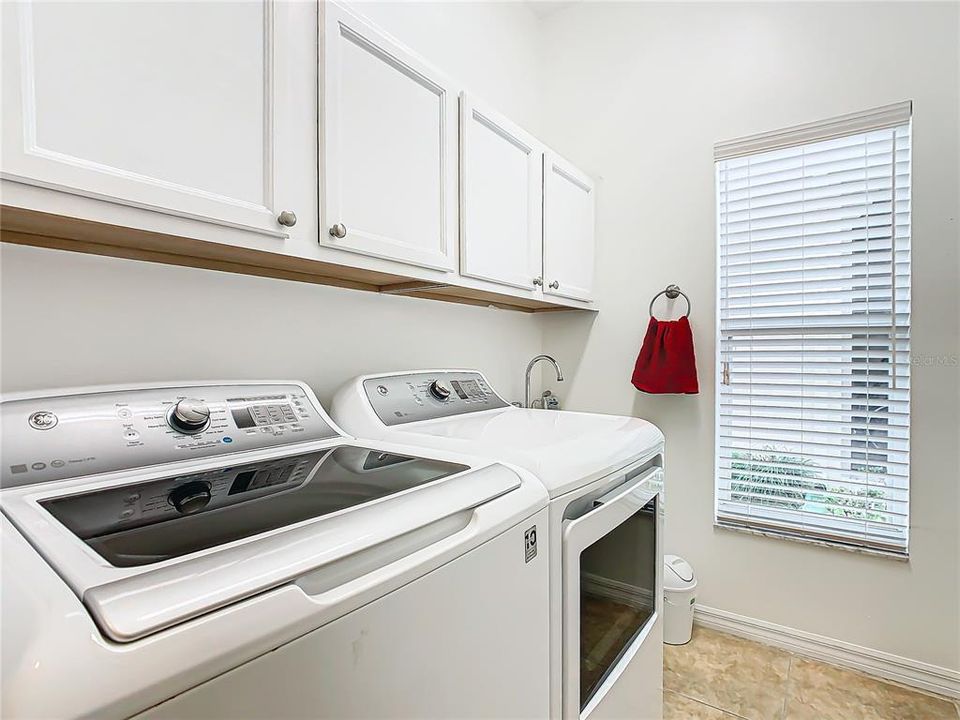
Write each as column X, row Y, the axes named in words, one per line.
column 814, row 331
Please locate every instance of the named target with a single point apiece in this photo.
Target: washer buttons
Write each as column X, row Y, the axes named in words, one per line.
column 127, row 513
column 131, row 436
column 57, row 463
column 124, row 413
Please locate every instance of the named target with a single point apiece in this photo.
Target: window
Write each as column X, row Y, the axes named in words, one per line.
column 814, row 331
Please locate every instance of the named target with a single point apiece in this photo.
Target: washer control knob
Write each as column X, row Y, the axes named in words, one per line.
column 190, row 497
column 439, row 391
column 189, row 416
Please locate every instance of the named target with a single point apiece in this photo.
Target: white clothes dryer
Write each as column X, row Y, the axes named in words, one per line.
column 604, row 475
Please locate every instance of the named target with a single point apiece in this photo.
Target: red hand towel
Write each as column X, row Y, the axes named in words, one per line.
column 666, row 363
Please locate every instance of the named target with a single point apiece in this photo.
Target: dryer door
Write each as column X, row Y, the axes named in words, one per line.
column 610, row 561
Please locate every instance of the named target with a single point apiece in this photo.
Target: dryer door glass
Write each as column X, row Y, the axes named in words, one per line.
column 618, row 575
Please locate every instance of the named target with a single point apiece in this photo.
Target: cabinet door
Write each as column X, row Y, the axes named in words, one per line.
column 568, row 236
column 389, row 147
column 501, row 199
column 164, row 106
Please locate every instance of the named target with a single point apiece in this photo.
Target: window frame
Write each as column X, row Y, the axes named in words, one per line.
column 887, row 117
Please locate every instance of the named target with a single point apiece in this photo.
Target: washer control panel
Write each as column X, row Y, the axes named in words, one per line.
column 91, row 432
column 400, row 399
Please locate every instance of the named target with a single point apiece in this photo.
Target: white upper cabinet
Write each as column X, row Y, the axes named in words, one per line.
column 289, row 137
column 568, row 230
column 388, row 147
column 155, row 105
column 501, row 199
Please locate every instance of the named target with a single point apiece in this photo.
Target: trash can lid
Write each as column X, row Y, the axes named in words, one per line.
column 677, row 573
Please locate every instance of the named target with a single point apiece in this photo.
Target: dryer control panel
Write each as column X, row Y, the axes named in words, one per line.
column 95, row 431
column 399, row 399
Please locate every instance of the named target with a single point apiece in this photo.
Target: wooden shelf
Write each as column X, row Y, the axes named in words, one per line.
column 27, row 227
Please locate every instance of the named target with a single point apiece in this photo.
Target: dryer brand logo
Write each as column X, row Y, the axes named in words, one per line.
column 530, row 544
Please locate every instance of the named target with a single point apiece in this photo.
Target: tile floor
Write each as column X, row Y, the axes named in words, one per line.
column 721, row 677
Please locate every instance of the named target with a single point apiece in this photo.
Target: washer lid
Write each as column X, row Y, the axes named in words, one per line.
column 144, row 523
column 333, row 515
column 677, row 573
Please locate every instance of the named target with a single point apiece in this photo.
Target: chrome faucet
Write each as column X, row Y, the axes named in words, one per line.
column 526, row 387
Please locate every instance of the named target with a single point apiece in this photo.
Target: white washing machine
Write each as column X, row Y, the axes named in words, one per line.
column 604, row 475
column 224, row 551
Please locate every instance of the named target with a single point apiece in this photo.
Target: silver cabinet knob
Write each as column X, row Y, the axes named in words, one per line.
column 288, row 218
column 339, row 230
column 538, row 281
column 555, row 285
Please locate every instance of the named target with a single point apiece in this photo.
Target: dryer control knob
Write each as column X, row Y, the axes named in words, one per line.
column 440, row 392
column 189, row 416
column 190, row 497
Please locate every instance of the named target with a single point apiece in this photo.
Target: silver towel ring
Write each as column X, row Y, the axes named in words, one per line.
column 672, row 292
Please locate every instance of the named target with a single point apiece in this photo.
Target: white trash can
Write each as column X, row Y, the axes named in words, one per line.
column 679, row 599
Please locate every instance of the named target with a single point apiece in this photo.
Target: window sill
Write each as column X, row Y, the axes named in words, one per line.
column 888, row 554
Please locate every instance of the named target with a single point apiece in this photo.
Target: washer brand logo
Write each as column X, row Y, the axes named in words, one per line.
column 42, row 420
column 530, row 544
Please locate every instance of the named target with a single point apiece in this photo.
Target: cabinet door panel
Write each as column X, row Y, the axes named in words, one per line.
column 165, row 106
column 568, row 230
column 389, row 144
column 501, row 197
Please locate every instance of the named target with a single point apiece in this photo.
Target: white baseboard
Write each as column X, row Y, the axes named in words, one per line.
column 932, row 678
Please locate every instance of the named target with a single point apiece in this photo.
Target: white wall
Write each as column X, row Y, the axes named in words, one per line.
column 70, row 319
column 637, row 95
